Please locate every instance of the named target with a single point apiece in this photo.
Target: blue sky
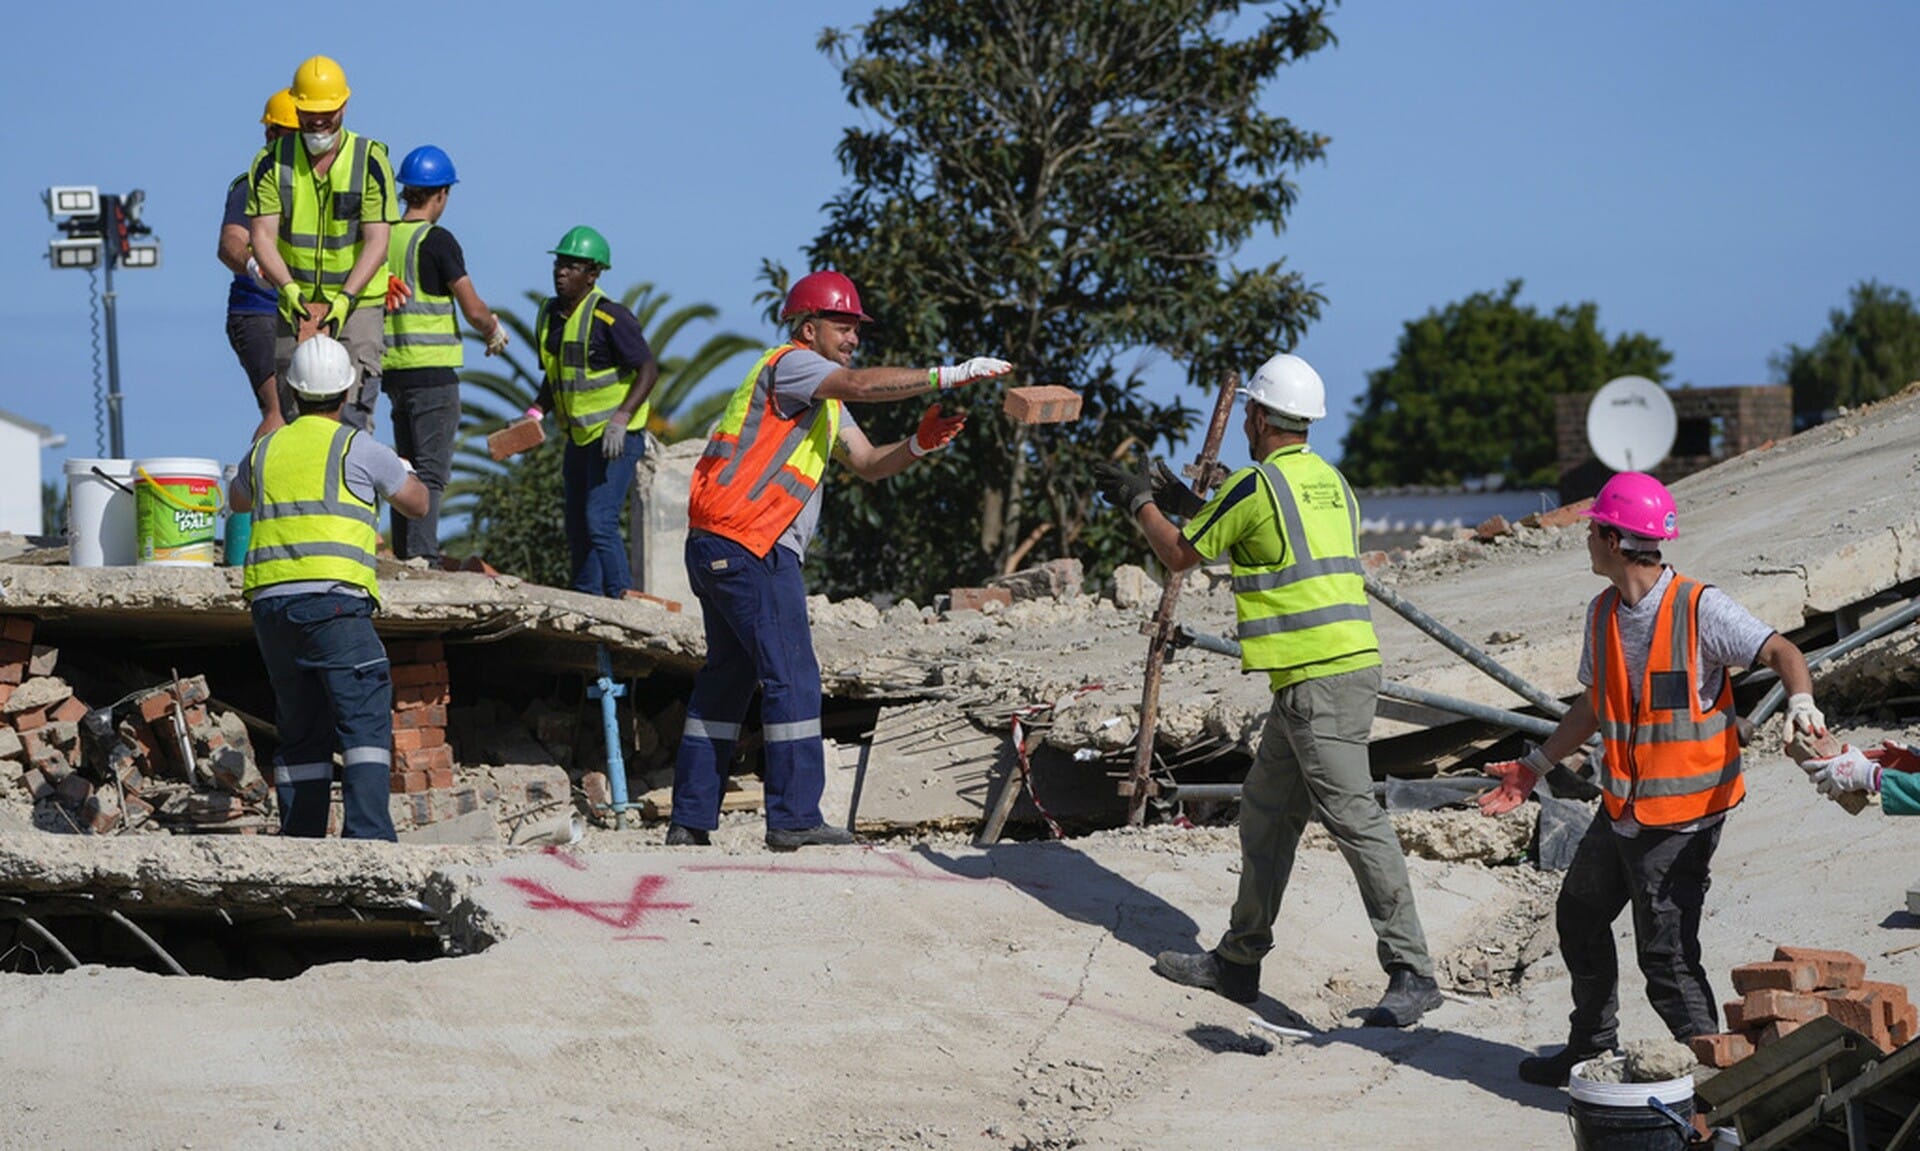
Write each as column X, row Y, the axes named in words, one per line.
column 1716, row 174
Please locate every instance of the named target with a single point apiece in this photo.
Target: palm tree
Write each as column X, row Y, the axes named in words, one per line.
column 495, row 397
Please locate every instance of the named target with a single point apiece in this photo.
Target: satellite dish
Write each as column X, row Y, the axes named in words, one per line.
column 1630, row 424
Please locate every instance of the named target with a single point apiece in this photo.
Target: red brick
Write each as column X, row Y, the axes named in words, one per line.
column 671, row 605
column 156, row 707
column 1839, row 970
column 28, row 720
column 16, row 628
column 516, row 438
column 401, row 651
column 1774, row 1032
column 598, row 789
column 37, row 784
column 428, row 758
column 1893, row 995
column 6, row 693
column 419, row 674
column 1780, row 975
column 416, row 738
column 137, row 809
column 1906, row 1025
column 479, row 566
column 102, row 812
column 71, row 710
column 13, row 673
column 1767, row 1005
column 1735, row 1011
column 1493, row 527
column 440, row 778
column 1862, row 1011
column 419, row 695
column 975, row 598
column 409, row 782
column 43, row 660
column 1720, row 1050
column 427, row 715
column 1044, row 404
column 1560, row 517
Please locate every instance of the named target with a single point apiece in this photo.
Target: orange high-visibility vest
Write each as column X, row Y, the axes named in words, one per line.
column 1668, row 761
column 760, row 467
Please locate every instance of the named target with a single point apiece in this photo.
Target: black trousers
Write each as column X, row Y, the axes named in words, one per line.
column 1664, row 876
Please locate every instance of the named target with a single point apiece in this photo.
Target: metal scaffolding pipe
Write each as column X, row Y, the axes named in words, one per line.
column 1460, row 647
column 1777, row 694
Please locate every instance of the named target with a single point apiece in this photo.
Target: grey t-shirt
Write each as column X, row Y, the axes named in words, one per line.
column 795, row 377
column 1729, row 639
column 373, row 472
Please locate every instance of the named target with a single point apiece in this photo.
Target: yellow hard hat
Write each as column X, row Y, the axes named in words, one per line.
column 280, row 112
column 319, row 85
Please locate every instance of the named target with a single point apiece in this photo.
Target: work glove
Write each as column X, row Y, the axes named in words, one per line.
column 497, row 339
column 1892, row 755
column 1805, row 718
column 1851, row 770
column 336, row 317
column 293, row 306
column 1123, row 488
column 1518, row 778
column 253, row 271
column 613, row 441
column 397, row 293
column 1174, row 497
column 936, row 431
column 978, row 368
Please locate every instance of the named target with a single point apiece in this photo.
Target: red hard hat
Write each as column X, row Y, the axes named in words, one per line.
column 823, row 292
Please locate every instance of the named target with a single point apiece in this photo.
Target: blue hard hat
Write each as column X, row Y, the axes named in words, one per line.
column 427, row 167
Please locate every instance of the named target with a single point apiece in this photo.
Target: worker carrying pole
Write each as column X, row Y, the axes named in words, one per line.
column 313, row 488
column 426, row 277
column 1657, row 651
column 1291, row 525
column 321, row 207
column 251, row 304
column 754, row 503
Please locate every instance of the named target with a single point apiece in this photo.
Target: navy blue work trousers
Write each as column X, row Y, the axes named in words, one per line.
column 596, row 497
column 333, row 691
column 757, row 635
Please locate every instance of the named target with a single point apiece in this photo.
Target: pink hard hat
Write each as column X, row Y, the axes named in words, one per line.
column 1638, row 505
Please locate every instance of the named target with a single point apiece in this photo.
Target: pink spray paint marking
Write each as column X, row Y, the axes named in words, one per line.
column 621, row 915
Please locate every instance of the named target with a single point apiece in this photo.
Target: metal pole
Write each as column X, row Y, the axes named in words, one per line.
column 1778, row 692
column 608, row 691
column 110, row 255
column 1465, row 650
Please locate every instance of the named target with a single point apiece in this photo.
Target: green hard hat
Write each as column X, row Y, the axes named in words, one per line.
column 582, row 242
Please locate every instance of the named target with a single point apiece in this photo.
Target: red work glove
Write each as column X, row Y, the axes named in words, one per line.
column 397, row 293
column 1518, row 778
column 1892, row 755
column 936, row 431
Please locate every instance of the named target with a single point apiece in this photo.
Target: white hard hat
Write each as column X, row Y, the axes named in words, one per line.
column 1288, row 385
column 321, row 369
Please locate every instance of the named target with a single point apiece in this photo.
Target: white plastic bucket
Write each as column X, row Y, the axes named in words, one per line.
column 177, row 511
column 100, row 513
column 1627, row 1094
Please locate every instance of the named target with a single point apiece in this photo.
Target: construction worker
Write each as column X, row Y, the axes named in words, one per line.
column 754, row 504
column 312, row 487
column 251, row 305
column 1291, row 526
column 597, row 373
column 322, row 203
column 1890, row 771
column 420, row 370
column 1657, row 652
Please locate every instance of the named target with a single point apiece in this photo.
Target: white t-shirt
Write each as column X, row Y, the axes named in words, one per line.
column 1728, row 638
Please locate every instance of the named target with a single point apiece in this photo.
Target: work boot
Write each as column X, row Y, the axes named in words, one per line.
column 819, row 835
column 1239, row 982
column 679, row 835
column 1408, row 997
column 1554, row 1070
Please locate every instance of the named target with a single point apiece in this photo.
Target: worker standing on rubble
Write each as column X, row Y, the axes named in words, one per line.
column 1657, row 653
column 1890, row 771
column 754, row 504
column 251, row 305
column 322, row 203
column 1291, row 526
column 420, row 370
column 312, row 487
column 597, row 374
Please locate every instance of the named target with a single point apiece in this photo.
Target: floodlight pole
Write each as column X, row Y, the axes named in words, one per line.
column 115, row 436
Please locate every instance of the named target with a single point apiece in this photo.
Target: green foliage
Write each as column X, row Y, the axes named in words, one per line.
column 1062, row 183
column 1868, row 352
column 514, row 509
column 1471, row 388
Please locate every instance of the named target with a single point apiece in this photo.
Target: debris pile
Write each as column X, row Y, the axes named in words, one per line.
column 1802, row 984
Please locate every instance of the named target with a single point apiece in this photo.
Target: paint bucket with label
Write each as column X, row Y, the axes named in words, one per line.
column 177, row 507
column 100, row 527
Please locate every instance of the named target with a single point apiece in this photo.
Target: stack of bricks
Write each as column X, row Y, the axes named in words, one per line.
column 1802, row 984
column 422, row 758
column 208, row 782
column 40, row 731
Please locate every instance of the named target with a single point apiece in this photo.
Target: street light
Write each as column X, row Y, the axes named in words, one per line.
column 100, row 231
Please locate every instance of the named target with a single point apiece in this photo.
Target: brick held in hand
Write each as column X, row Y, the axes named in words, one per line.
column 1042, row 404
column 516, row 438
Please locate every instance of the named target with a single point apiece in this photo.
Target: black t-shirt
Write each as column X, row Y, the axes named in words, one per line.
column 442, row 263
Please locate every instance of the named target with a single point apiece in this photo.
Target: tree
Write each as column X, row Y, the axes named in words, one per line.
column 1868, row 352
column 513, row 508
column 1063, row 183
column 1471, row 388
